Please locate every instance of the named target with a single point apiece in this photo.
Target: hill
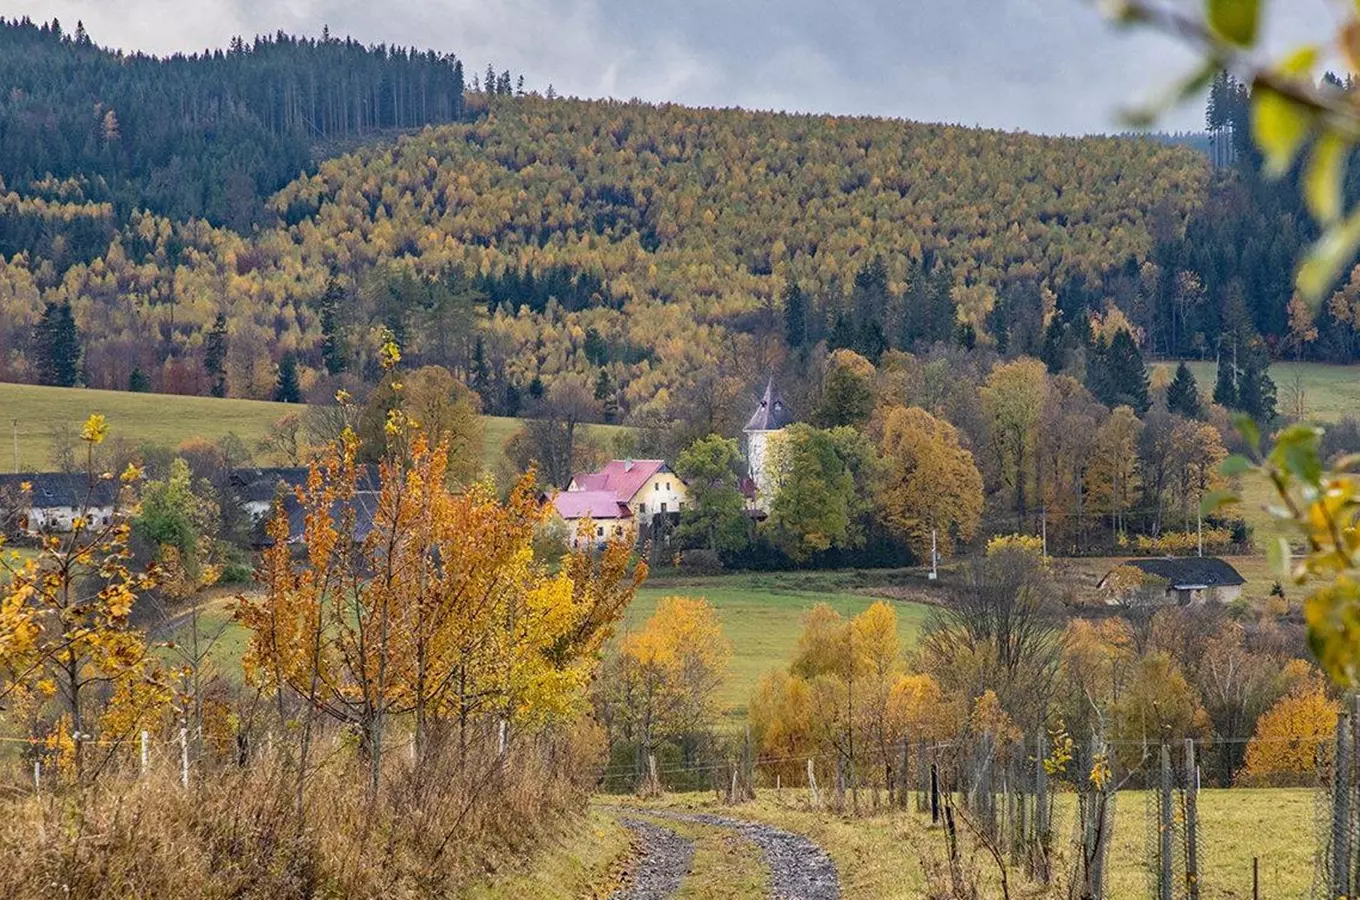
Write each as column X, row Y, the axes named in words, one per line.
column 32, row 413
column 668, row 238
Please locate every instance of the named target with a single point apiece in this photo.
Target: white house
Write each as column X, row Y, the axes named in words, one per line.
column 770, row 418
column 44, row 502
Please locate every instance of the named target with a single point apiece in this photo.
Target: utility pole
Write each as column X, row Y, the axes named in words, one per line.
column 16, row 446
column 1199, row 525
column 934, row 557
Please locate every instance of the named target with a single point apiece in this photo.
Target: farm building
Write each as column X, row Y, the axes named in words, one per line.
column 257, row 487
column 647, row 487
column 1190, row 579
column 609, row 516
column 45, row 502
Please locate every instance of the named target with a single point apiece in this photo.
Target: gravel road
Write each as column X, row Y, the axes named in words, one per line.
column 663, row 860
column 799, row 869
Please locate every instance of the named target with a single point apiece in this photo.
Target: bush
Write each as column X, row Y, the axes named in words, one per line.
column 236, row 573
column 700, row 562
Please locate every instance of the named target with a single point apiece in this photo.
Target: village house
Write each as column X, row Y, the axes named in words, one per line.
column 45, row 502
column 1190, row 580
column 626, row 497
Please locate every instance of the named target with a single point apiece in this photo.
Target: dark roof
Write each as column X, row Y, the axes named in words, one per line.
column 51, row 489
column 364, row 504
column 262, row 483
column 1190, row 571
column 771, row 414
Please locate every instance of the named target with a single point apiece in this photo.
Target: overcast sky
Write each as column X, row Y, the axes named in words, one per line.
column 1041, row 65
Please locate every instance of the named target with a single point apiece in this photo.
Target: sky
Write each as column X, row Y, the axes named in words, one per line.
column 1051, row 66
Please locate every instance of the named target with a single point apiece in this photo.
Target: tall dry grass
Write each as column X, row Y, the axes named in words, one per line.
column 237, row 830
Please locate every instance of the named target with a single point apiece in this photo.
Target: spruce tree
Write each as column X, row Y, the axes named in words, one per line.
column 56, row 346
column 1054, row 353
column 1182, row 395
column 215, row 356
column 288, row 390
column 138, row 383
column 1127, row 374
column 1225, row 382
column 1256, row 389
column 795, row 316
column 329, row 312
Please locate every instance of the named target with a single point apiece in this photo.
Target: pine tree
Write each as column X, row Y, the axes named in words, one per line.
column 215, row 356
column 288, row 390
column 795, row 316
column 607, row 396
column 56, row 346
column 138, row 383
column 1182, row 395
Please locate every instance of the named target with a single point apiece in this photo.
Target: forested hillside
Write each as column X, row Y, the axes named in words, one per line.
column 676, row 243
column 207, row 135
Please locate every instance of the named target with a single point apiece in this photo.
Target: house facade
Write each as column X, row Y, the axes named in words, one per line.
column 609, row 517
column 1190, row 580
column 648, row 487
column 47, row 502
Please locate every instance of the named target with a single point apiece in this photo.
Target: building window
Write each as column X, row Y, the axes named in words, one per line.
column 656, row 486
column 599, row 531
column 668, row 485
column 642, row 509
column 663, row 506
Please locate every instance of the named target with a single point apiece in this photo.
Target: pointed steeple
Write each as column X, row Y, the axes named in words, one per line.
column 771, row 414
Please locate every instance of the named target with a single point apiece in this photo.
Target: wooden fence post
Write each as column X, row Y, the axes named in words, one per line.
column 812, row 784
column 145, row 738
column 1165, row 828
column 1341, row 813
column 1191, row 822
column 184, row 756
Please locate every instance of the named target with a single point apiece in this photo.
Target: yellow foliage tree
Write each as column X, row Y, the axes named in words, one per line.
column 931, row 485
column 438, row 609
column 65, row 633
column 1293, row 739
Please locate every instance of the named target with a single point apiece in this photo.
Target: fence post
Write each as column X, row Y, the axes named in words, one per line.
column 1165, row 828
column 812, row 784
column 934, row 793
column 144, row 752
column 1191, row 822
column 1042, row 838
column 1341, row 813
column 37, row 776
column 184, row 756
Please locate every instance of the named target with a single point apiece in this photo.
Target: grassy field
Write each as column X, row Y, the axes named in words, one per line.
column 1330, row 392
column 762, row 616
column 167, row 420
column 587, row 860
column 880, row 857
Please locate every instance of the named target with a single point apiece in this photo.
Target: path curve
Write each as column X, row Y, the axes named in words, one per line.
column 799, row 868
column 663, row 860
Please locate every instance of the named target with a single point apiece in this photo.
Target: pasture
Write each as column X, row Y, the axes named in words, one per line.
column 1329, row 392
column 29, row 414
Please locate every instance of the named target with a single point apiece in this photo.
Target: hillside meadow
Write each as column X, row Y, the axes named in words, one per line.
column 29, row 414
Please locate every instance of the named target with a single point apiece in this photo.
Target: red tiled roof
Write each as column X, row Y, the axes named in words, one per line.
column 621, row 477
column 590, row 504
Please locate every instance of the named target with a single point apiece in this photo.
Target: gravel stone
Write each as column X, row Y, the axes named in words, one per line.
column 663, row 859
column 799, row 869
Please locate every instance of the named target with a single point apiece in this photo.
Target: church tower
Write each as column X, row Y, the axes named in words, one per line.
column 770, row 417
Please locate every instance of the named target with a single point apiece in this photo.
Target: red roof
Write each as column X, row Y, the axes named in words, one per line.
column 621, row 477
column 590, row 505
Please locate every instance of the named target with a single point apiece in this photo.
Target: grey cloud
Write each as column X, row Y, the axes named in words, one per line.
column 1041, row 65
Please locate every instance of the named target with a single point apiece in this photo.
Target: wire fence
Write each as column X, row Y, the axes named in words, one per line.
column 1051, row 815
